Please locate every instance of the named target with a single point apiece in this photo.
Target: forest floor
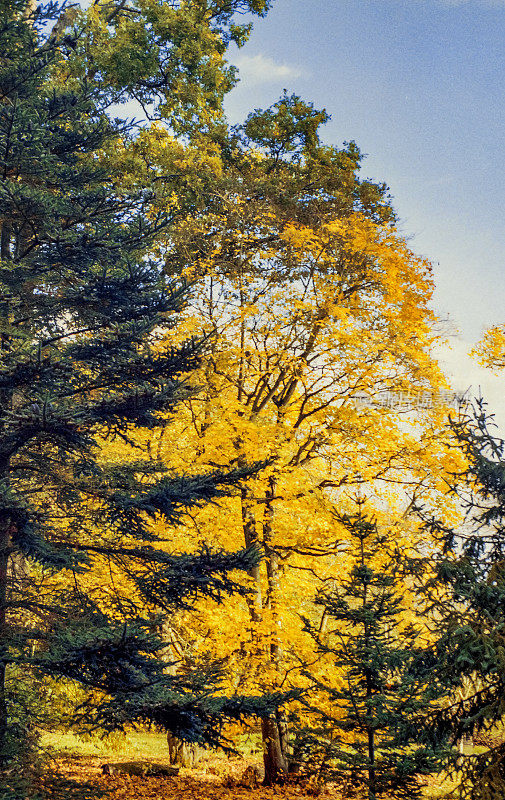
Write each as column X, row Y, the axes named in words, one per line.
column 82, row 779
column 76, row 773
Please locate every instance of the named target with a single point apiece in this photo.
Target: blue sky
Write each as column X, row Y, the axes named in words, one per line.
column 419, row 85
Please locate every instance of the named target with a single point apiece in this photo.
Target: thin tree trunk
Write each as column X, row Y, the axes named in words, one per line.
column 371, row 765
column 5, row 522
column 274, row 728
column 249, row 528
column 180, row 753
column 5, row 551
column 369, row 694
column 254, row 600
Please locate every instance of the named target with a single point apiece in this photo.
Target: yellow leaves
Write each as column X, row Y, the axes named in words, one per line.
column 205, row 782
column 371, row 260
column 301, row 238
column 490, row 352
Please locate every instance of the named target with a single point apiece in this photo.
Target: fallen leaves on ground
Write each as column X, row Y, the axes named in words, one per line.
column 80, row 779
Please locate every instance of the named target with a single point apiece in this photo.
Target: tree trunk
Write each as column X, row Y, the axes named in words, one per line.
column 371, row 765
column 273, row 756
column 274, row 729
column 5, row 522
column 251, row 537
column 184, row 754
column 5, row 551
column 180, row 753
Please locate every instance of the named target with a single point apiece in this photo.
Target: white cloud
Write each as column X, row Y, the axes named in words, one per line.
column 255, row 70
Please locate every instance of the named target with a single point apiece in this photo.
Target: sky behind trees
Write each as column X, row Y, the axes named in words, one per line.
column 418, row 84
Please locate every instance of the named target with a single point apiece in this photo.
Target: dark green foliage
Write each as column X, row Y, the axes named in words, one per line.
column 125, row 662
column 305, row 179
column 287, row 129
column 468, row 597
column 86, row 312
column 371, row 736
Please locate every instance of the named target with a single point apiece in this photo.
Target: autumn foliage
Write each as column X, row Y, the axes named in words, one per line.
column 216, row 345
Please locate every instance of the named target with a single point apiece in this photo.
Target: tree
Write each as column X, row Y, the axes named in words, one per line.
column 467, row 595
column 87, row 356
column 312, row 300
column 375, row 641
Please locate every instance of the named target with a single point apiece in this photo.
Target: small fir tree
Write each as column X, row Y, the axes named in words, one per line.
column 363, row 732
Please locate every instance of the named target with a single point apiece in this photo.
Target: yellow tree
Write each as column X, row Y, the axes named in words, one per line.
column 314, row 308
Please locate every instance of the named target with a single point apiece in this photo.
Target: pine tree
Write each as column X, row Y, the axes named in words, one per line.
column 365, row 725
column 85, row 318
column 468, row 596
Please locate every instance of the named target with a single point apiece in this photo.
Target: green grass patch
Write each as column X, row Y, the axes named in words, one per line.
column 131, row 745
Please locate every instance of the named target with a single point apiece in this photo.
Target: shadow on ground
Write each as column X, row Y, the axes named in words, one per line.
column 63, row 788
column 72, row 778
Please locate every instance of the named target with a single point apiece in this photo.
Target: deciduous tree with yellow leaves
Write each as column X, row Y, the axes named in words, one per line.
column 314, row 307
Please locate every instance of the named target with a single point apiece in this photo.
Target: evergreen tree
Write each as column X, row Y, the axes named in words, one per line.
column 468, row 597
column 85, row 316
column 364, row 732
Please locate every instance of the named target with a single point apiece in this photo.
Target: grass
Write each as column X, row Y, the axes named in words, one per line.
column 137, row 745
column 132, row 745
